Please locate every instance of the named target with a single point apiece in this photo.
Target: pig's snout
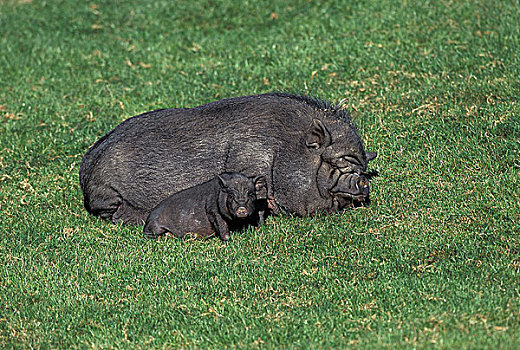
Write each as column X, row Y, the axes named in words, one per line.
column 241, row 212
column 362, row 185
column 351, row 185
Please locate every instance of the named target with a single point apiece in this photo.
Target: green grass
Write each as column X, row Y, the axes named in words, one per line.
column 434, row 262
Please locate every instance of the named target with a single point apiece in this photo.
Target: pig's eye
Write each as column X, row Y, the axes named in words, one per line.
column 345, row 162
column 350, row 160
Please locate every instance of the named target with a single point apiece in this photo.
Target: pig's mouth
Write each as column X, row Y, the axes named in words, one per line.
column 350, row 190
column 345, row 200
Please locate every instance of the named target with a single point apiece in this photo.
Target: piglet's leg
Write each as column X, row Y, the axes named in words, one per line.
column 219, row 225
column 261, row 217
column 154, row 231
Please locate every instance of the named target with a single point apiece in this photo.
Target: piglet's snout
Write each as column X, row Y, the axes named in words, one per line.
column 241, row 212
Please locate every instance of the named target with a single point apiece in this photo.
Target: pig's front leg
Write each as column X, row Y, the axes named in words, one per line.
column 219, row 225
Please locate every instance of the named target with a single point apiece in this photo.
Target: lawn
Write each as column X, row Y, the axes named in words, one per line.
column 433, row 262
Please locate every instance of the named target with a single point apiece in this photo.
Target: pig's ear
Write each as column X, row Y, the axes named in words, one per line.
column 260, row 186
column 223, row 180
column 371, row 156
column 317, row 135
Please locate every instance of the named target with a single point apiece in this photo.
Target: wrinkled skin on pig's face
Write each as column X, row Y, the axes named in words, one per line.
column 342, row 170
column 330, row 169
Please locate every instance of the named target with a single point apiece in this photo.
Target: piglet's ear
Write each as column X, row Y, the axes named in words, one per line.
column 260, row 186
column 222, row 178
column 371, row 156
column 317, row 135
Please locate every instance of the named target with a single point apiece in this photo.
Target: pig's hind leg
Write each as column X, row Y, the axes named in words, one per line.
column 128, row 214
column 109, row 205
column 103, row 204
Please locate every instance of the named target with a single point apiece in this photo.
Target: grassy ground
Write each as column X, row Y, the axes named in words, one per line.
column 434, row 262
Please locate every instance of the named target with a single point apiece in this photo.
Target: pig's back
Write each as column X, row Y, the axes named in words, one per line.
column 153, row 155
